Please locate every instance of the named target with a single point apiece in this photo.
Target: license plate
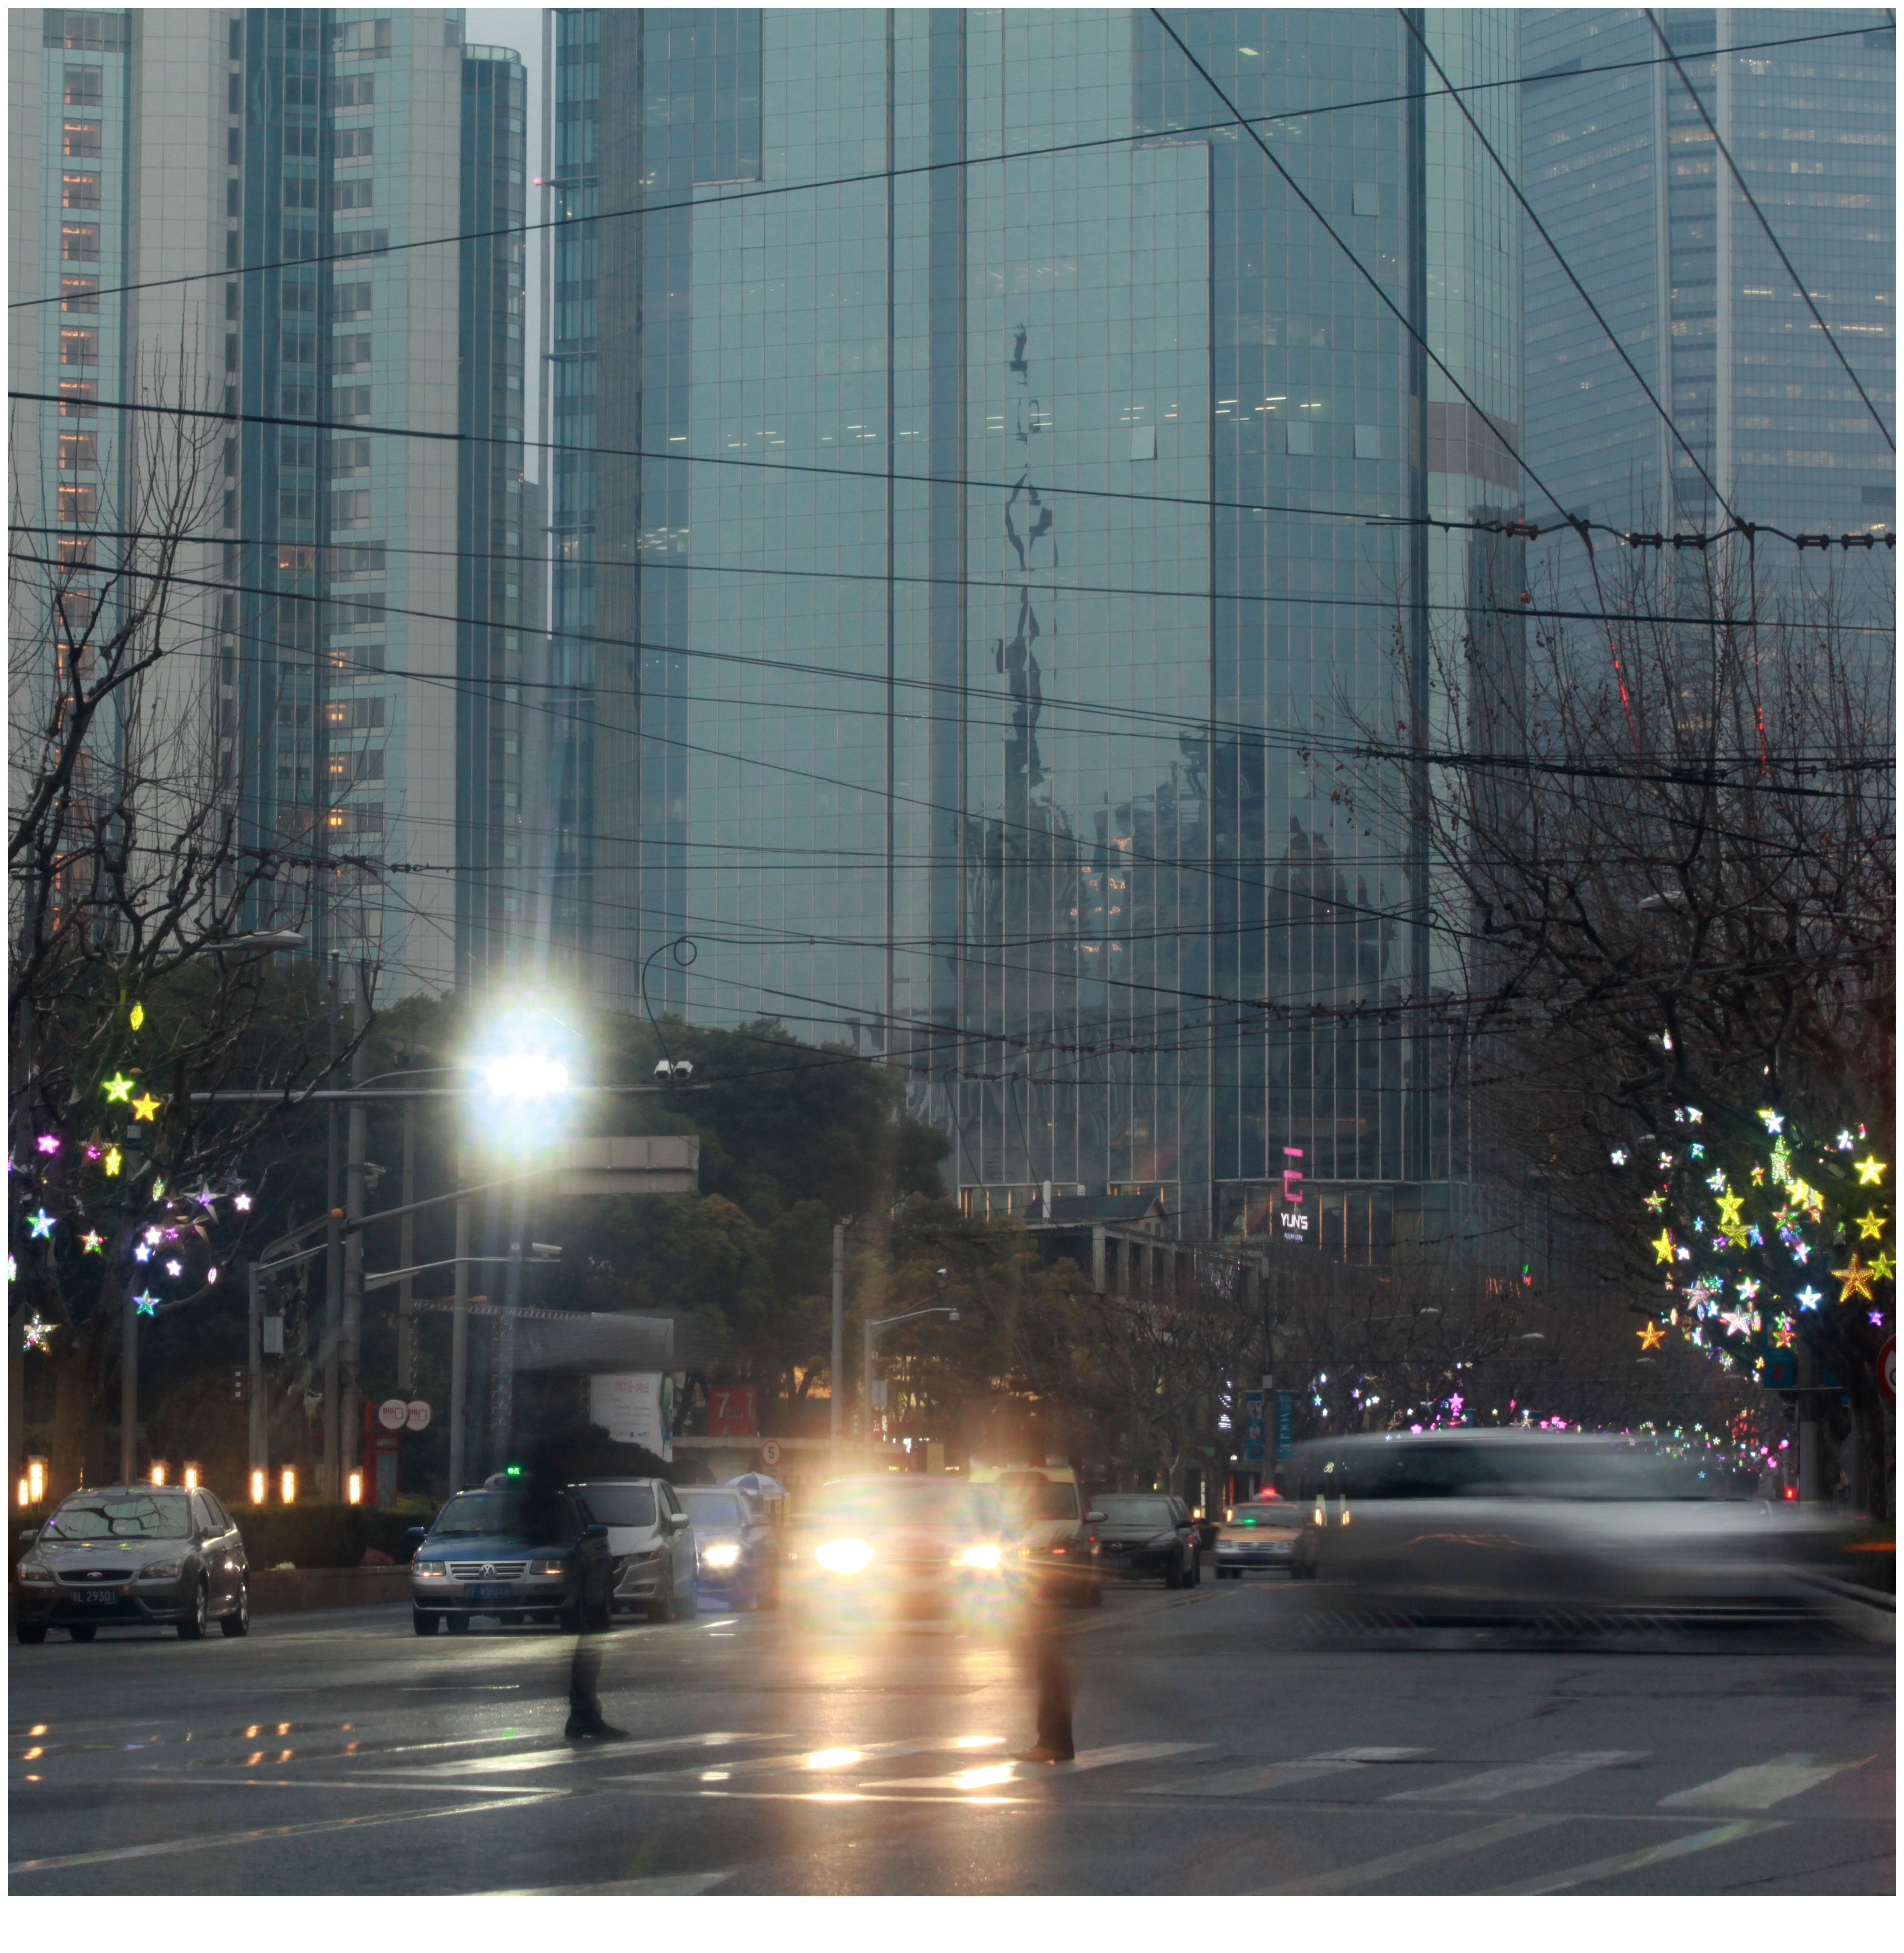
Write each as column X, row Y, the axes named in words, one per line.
column 1114, row 1559
column 490, row 1592
column 97, row 1597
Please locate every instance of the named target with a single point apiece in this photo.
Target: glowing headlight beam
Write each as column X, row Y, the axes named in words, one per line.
column 844, row 1556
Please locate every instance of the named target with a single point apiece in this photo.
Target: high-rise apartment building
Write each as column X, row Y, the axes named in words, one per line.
column 994, row 489
column 235, row 209
column 1620, row 163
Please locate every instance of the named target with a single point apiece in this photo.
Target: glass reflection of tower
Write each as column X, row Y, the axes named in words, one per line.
column 987, row 751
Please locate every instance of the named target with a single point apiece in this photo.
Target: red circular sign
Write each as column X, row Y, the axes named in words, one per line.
column 1887, row 1367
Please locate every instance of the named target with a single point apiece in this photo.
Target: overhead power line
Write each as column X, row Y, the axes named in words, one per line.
column 639, row 211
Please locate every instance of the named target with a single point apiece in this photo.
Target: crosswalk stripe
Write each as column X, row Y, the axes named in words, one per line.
column 1261, row 1777
column 827, row 1763
column 1758, row 1786
column 1515, row 1778
column 1375, row 1869
column 534, row 1759
column 1601, row 1870
column 986, row 1776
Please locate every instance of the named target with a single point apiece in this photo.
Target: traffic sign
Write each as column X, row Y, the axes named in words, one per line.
column 391, row 1413
column 416, row 1414
column 770, row 1452
column 1887, row 1369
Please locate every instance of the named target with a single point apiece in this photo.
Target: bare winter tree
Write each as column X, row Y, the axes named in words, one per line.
column 130, row 873
column 1662, row 848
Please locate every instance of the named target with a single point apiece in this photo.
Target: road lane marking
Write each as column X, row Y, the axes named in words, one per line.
column 816, row 1761
column 1515, row 1779
column 531, row 1760
column 1260, row 1777
column 1759, row 1786
column 670, row 1885
column 991, row 1776
column 268, row 1833
column 1397, row 1862
column 1602, row 1869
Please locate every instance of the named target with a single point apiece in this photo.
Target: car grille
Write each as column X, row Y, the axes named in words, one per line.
column 487, row 1569
column 92, row 1579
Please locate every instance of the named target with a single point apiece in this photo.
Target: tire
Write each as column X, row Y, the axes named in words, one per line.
column 192, row 1628
column 457, row 1624
column 423, row 1623
column 82, row 1634
column 30, row 1634
column 235, row 1626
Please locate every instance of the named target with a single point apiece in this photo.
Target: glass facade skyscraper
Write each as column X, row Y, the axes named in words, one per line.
column 1622, row 167
column 991, row 496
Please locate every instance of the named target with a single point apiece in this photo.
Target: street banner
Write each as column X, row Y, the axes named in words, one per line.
column 636, row 1408
column 1285, row 1423
column 1253, row 1427
column 732, row 1410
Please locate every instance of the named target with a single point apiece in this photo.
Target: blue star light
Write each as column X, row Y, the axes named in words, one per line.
column 1809, row 1298
column 40, row 1225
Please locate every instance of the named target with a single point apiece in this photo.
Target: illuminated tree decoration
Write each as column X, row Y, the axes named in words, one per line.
column 1651, row 1337
column 36, row 1332
column 137, row 1018
column 175, row 1269
column 41, row 1225
column 118, row 1088
column 243, row 1202
column 112, row 1159
column 1663, row 1247
column 145, row 1302
column 1871, row 1170
column 1809, row 1298
column 93, row 1243
column 1883, row 1267
column 47, row 1142
column 144, row 1107
column 1871, row 1226
column 1856, row 1280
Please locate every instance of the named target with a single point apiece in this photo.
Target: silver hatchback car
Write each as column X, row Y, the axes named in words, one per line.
column 134, row 1557
column 651, row 1541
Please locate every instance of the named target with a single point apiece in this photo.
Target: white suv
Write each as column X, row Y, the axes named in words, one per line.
column 651, row 1541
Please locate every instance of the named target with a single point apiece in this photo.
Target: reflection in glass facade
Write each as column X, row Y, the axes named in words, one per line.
column 985, row 548
column 1624, row 174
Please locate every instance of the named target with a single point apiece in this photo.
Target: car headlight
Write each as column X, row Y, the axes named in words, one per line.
column 35, row 1573
column 984, row 1555
column 546, row 1569
column 160, row 1569
column 429, row 1569
column 844, row 1556
column 725, row 1554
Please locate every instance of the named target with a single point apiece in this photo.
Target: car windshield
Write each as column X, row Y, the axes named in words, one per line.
column 1036, row 1500
column 141, row 1517
column 900, row 1501
column 527, row 1517
column 713, row 1509
column 621, row 1505
column 1127, row 1511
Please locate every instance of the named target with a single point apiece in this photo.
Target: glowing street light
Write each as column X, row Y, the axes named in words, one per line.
column 159, row 1474
column 260, row 1482
column 526, row 1075
column 287, row 1486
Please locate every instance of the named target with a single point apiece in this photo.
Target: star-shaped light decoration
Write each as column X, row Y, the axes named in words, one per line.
column 136, row 1016
column 1717, row 1181
column 1774, row 1121
column 1809, row 1298
column 118, row 1088
column 1651, row 1337
column 1876, row 1317
column 154, row 1235
column 1619, row 1156
column 1666, row 1162
column 207, row 1199
column 1871, row 1170
column 175, row 1269
column 1698, row 1223
column 1684, row 1254
column 1845, row 1143
column 93, row 1243
column 242, row 1201
column 36, row 1332
column 1696, row 1151
column 1738, row 1321
column 1748, row 1289
column 1663, row 1247
column 1801, row 1253
column 1758, row 1176
column 143, row 1252
column 112, row 1159
column 1693, row 1115
column 94, row 1153
column 1856, row 1280
column 47, row 1142
column 145, row 1302
column 40, row 1224
column 1657, row 1202
column 1731, row 1214
column 1883, row 1267
column 1754, row 1237
column 1871, row 1226
column 144, row 1107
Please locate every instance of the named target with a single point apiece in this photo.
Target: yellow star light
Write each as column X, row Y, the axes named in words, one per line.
column 144, row 1108
column 1730, row 1216
column 1883, row 1267
column 1871, row 1226
column 112, row 1159
column 1856, row 1279
column 1651, row 1337
column 1870, row 1170
column 119, row 1088
column 1663, row 1247
column 138, row 1016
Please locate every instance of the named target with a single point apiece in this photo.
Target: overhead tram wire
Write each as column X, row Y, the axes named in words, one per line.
column 1407, row 14
column 1764, row 223
column 640, row 211
column 1292, row 738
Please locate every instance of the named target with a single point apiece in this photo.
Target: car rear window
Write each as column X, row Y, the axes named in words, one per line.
column 1130, row 1510
column 139, row 1516
column 714, row 1508
column 621, row 1505
column 901, row 1501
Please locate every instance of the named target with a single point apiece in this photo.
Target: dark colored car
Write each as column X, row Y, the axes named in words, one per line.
column 881, row 1545
column 738, row 1549
column 517, row 1553
column 1147, row 1536
column 130, row 1557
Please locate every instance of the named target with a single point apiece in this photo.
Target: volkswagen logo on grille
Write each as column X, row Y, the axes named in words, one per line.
column 487, row 1570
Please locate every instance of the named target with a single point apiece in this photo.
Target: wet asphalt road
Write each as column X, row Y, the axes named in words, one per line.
column 338, row 1753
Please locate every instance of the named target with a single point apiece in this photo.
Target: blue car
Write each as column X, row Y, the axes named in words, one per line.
column 514, row 1553
column 740, row 1549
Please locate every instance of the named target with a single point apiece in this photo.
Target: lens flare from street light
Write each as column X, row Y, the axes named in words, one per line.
column 259, row 1480
column 526, row 1075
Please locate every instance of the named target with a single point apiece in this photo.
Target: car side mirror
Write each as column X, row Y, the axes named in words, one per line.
column 417, row 1532
column 677, row 1521
column 28, row 1534
column 594, row 1532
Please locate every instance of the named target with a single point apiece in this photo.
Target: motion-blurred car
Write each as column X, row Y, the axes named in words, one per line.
column 738, row 1549
column 513, row 1553
column 1503, row 1525
column 134, row 1555
column 651, row 1543
column 1043, row 1514
column 1147, row 1536
column 1261, row 1532
column 881, row 1547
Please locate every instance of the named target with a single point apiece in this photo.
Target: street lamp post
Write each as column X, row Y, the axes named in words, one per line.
column 875, row 1329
